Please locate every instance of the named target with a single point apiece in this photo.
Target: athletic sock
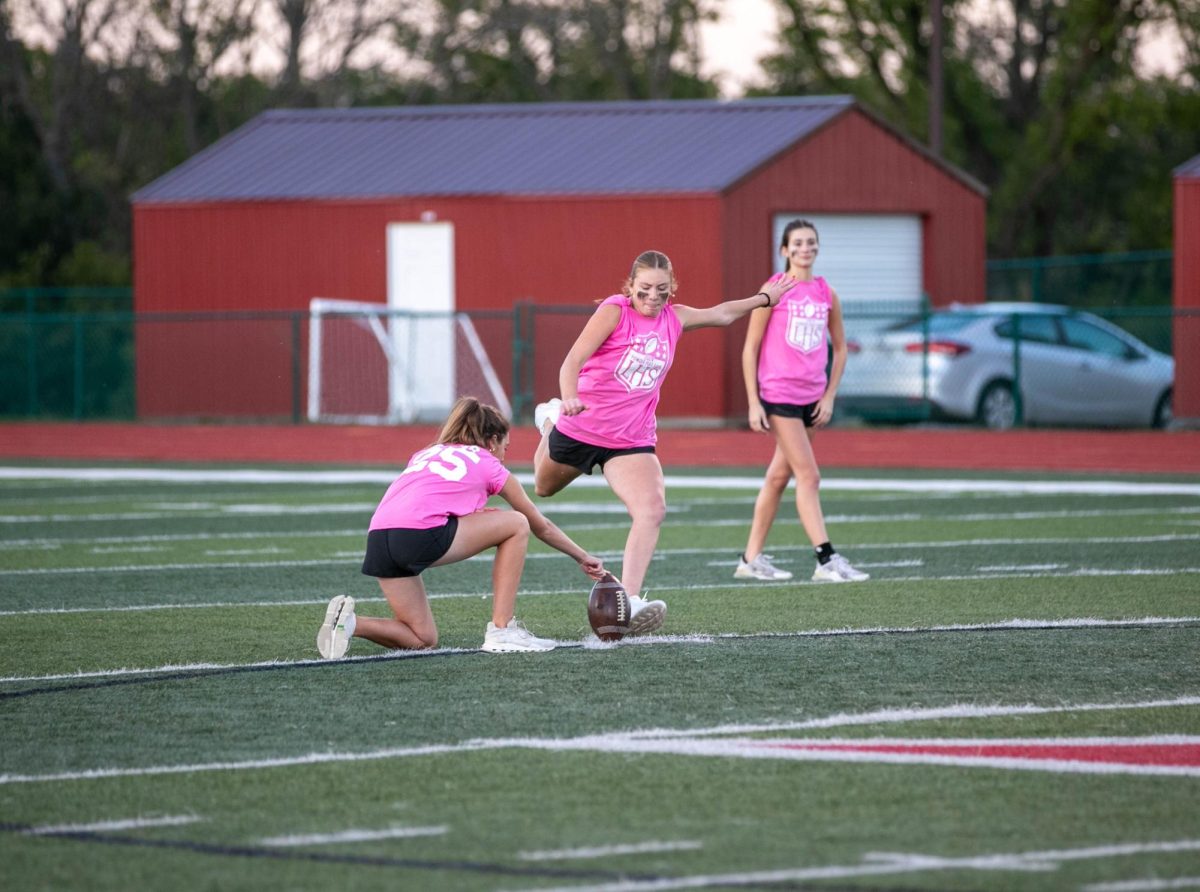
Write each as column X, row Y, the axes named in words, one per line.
column 824, row 552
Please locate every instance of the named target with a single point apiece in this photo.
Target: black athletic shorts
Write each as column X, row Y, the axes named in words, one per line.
column 569, row 451
column 786, row 410
column 401, row 552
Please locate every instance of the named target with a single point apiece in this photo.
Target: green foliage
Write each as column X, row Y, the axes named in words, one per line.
column 1043, row 103
column 1074, row 143
column 80, row 131
column 89, row 264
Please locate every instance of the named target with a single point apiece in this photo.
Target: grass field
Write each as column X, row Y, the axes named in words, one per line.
column 1012, row 701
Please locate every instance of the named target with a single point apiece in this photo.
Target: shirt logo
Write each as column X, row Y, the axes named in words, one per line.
column 806, row 324
column 644, row 362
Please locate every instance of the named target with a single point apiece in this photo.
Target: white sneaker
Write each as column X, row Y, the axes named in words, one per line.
column 838, row 570
column 760, row 568
column 548, row 411
column 645, row 616
column 513, row 638
column 333, row 638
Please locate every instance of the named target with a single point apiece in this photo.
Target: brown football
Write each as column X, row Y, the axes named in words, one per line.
column 608, row 609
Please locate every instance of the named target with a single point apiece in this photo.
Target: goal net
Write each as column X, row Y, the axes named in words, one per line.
column 369, row 364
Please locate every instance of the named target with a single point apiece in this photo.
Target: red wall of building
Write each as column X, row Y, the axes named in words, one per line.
column 1186, row 400
column 278, row 255
column 853, row 165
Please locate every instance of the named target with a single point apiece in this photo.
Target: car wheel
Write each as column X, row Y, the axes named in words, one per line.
column 1163, row 414
column 997, row 409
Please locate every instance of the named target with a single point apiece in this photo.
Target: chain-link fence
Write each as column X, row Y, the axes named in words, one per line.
column 991, row 365
column 258, row 366
column 1085, row 281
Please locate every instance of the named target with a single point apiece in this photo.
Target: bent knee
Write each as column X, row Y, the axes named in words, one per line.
column 543, row 487
column 778, row 480
column 518, row 524
column 654, row 512
column 426, row 638
column 810, row 481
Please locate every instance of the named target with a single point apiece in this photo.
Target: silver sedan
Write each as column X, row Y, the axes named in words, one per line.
column 1069, row 368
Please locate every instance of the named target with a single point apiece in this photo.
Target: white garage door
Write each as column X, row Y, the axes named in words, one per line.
column 873, row 261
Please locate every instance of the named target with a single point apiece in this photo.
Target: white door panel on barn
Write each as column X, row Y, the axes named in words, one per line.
column 420, row 279
column 873, row 261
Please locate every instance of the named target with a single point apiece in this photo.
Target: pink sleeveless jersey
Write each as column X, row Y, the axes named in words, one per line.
column 793, row 354
column 440, row 481
column 621, row 381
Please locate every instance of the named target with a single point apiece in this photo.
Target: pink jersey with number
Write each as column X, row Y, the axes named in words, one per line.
column 440, row 481
column 621, row 381
column 793, row 354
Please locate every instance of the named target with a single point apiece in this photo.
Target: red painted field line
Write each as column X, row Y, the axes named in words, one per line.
column 1154, row 452
column 1178, row 754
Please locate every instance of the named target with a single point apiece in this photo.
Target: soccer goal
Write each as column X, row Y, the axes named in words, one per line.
column 370, row 364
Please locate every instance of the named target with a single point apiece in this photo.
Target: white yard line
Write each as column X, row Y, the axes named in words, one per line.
column 173, row 668
column 818, row 750
column 323, row 758
column 552, row 509
column 1155, row 885
column 915, row 714
column 1018, row 568
column 204, row 605
column 1012, row 624
column 665, row 552
column 208, row 536
column 885, row 863
column 637, row 848
column 724, row 482
column 317, row 839
column 113, row 825
column 605, row 743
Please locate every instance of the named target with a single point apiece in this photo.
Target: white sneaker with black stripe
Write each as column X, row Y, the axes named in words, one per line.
column 333, row 638
column 838, row 570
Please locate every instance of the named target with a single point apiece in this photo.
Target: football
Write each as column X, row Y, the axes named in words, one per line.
column 608, row 609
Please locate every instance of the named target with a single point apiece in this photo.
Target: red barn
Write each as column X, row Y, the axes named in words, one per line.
column 547, row 203
column 1186, row 399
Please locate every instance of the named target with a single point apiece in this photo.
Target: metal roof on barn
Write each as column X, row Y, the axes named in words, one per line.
column 1189, row 169
column 688, row 146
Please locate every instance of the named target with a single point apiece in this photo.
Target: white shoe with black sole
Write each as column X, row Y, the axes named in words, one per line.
column 333, row 638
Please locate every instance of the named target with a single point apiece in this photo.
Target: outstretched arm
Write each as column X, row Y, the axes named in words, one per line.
column 732, row 310
column 546, row 530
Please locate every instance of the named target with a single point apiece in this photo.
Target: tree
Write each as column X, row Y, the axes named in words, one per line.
column 525, row 50
column 318, row 44
column 192, row 39
column 1035, row 90
column 55, row 95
